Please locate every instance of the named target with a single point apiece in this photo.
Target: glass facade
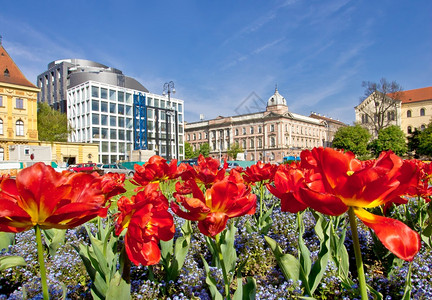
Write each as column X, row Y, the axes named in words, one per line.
column 105, row 116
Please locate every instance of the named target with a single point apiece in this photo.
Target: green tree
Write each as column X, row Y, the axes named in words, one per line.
column 189, row 152
column 414, row 140
column 389, row 138
column 352, row 138
column 234, row 149
column 425, row 141
column 204, row 149
column 52, row 125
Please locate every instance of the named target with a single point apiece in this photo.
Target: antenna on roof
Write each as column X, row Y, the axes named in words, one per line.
column 276, row 87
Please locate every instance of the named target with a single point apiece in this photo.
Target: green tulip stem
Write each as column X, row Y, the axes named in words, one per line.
column 41, row 263
column 224, row 272
column 358, row 255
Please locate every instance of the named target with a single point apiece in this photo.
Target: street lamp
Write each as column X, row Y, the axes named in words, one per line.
column 169, row 88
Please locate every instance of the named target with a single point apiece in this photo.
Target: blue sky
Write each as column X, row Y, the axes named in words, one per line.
column 226, row 57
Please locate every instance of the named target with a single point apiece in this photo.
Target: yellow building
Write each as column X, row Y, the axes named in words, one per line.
column 18, row 123
column 416, row 109
column 18, row 106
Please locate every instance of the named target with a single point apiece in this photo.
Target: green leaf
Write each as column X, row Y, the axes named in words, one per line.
column 211, row 282
column 228, row 250
column 7, row 262
column 320, row 264
column 289, row 265
column 304, row 253
column 376, row 295
column 6, row 239
column 118, row 288
column 54, row 238
column 246, row 291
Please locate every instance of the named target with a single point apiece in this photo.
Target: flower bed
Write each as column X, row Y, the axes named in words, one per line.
column 189, row 239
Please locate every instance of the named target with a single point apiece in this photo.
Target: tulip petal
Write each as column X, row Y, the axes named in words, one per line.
column 395, row 235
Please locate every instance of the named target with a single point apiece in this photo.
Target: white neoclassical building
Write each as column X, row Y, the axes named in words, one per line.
column 266, row 136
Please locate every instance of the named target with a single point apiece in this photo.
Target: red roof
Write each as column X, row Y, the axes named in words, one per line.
column 416, row 95
column 9, row 71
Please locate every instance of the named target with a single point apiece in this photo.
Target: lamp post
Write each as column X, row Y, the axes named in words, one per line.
column 169, row 88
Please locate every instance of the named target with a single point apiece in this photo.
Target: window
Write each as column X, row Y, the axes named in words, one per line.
column 271, row 128
column 104, row 106
column 236, row 132
column 1, row 154
column 6, row 73
column 423, row 127
column 391, row 115
column 1, row 100
column 272, row 142
column 244, row 144
column 95, row 91
column 95, row 105
column 244, row 130
column 408, row 114
column 112, row 95
column 113, row 107
column 19, row 128
column 422, row 112
column 252, row 144
column 251, row 130
column 259, row 129
column 104, row 93
column 19, row 103
column 409, row 129
column 1, row 126
column 104, row 120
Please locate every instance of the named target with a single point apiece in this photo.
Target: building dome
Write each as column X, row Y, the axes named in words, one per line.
column 276, row 99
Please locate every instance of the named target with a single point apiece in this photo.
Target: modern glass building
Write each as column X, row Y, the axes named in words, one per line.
column 101, row 109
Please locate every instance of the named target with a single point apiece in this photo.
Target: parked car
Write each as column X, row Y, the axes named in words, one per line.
column 232, row 165
column 85, row 167
column 191, row 162
column 117, row 168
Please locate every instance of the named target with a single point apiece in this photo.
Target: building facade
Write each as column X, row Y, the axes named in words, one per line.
column 18, row 106
column 266, row 136
column 412, row 110
column 101, row 104
column 416, row 110
column 18, row 123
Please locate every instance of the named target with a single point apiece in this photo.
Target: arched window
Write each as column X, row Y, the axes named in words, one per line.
column 272, row 141
column 251, row 130
column 1, row 154
column 422, row 112
column 6, row 73
column 408, row 113
column 423, row 127
column 19, row 128
column 1, row 126
column 409, row 129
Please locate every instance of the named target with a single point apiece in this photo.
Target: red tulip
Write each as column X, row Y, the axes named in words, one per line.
column 259, row 172
column 225, row 199
column 338, row 181
column 155, row 170
column 207, row 171
column 41, row 196
column 147, row 221
column 287, row 182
